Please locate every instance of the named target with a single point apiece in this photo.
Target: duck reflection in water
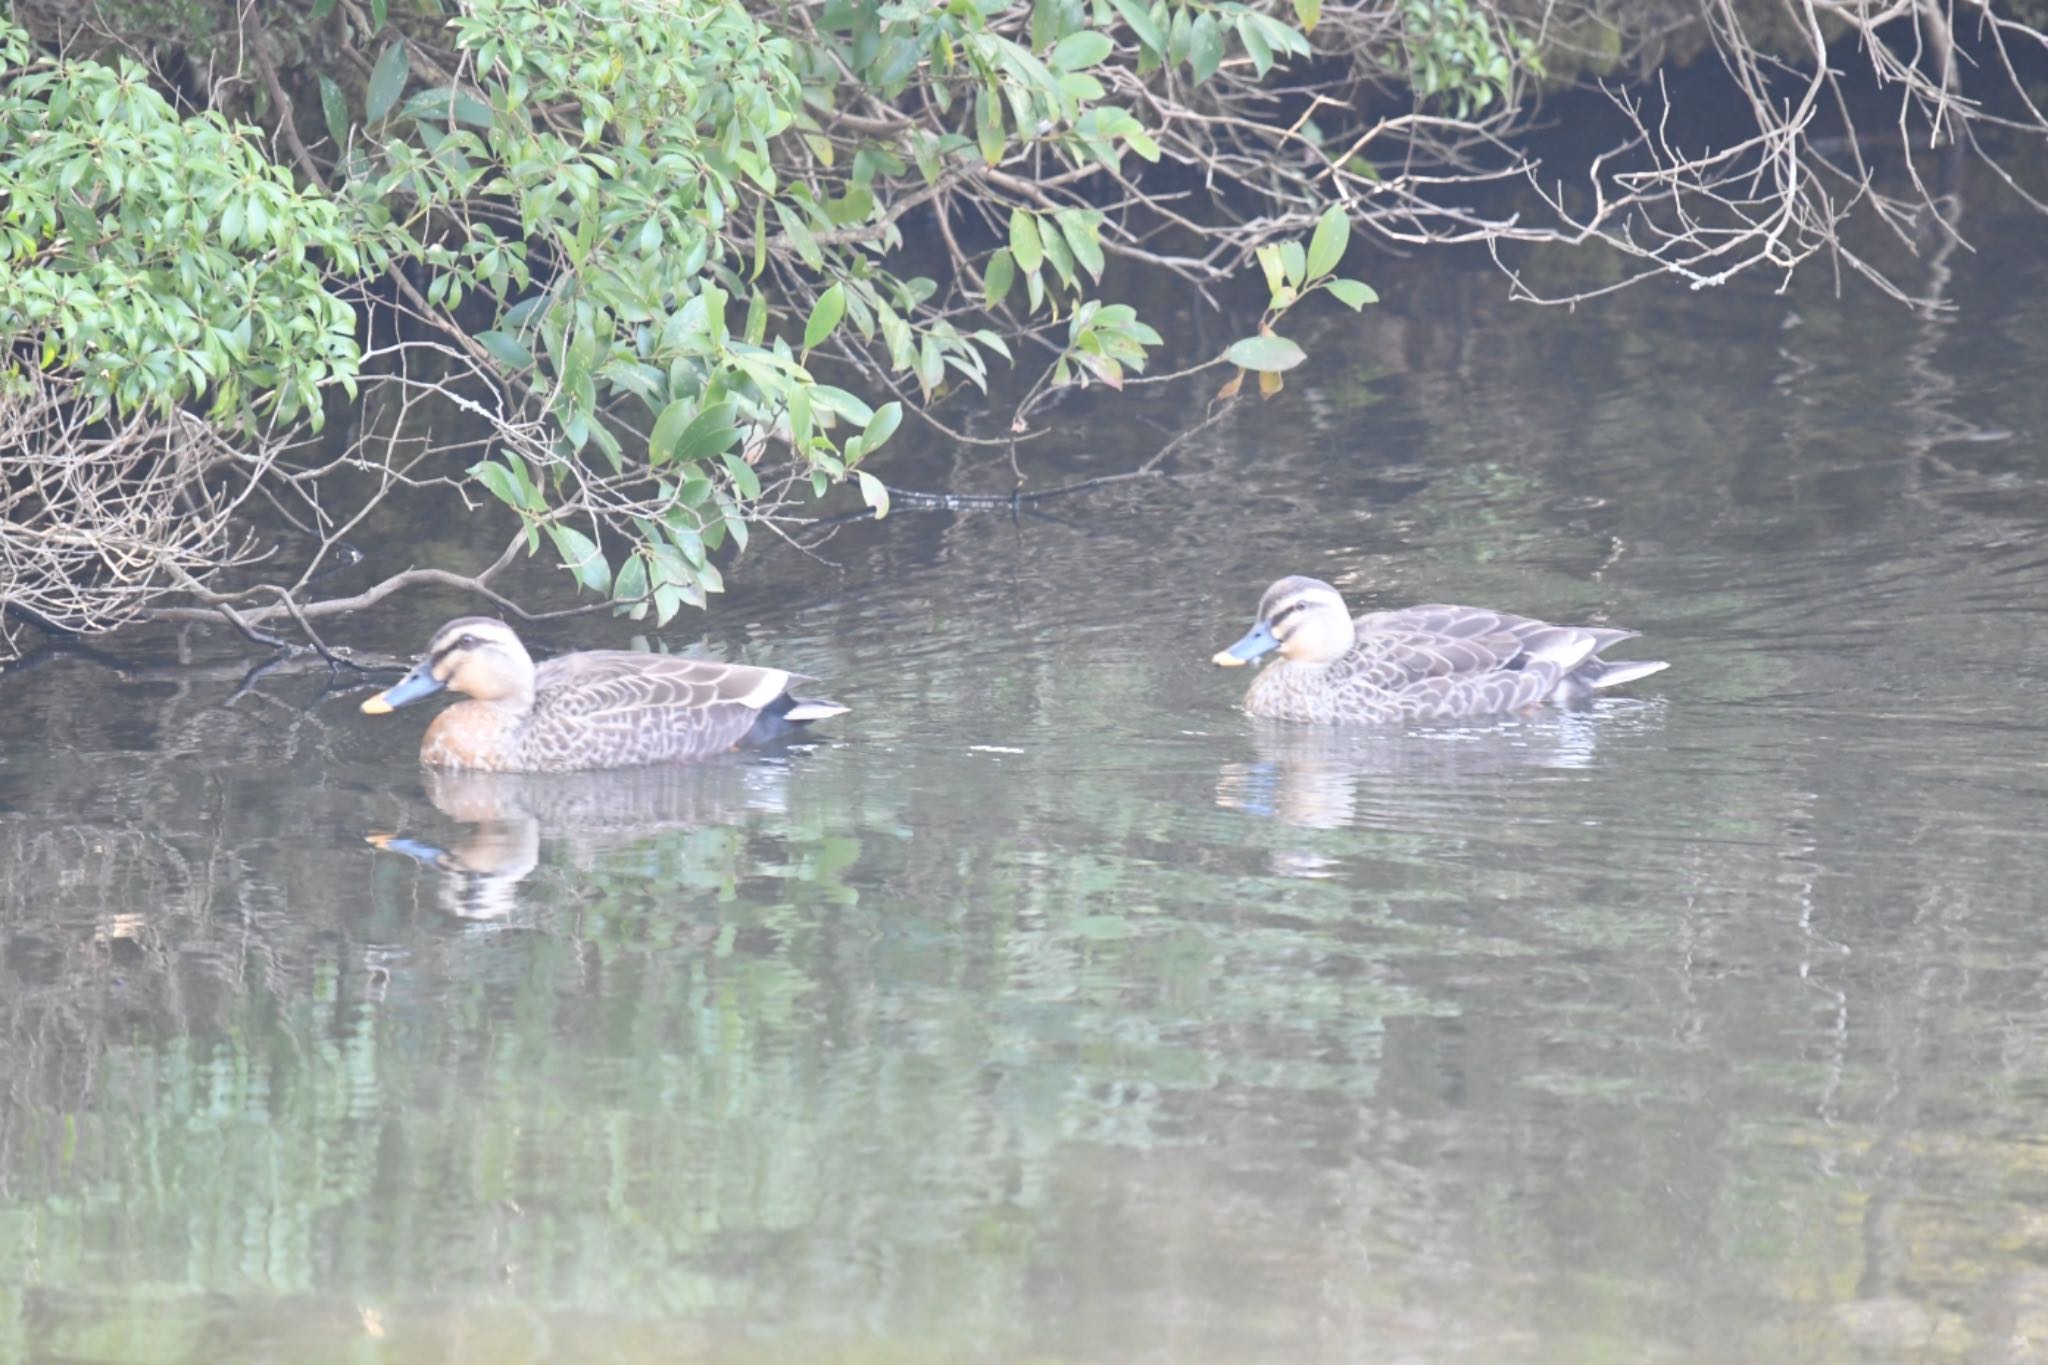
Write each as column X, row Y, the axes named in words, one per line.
column 506, row 818
column 1409, row 779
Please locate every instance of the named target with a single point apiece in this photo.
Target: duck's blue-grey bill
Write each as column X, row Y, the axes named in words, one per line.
column 414, row 686
column 1258, row 640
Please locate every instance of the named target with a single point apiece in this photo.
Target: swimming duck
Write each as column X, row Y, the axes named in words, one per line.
column 1418, row 663
column 598, row 709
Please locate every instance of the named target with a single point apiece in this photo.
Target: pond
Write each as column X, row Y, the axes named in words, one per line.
column 1048, row 1008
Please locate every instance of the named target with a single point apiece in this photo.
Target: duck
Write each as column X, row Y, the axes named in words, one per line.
column 1433, row 662
column 604, row 708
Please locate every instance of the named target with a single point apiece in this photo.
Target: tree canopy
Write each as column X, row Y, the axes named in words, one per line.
column 644, row 277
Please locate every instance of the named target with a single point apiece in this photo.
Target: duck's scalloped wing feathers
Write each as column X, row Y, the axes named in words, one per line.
column 627, row 707
column 1442, row 618
column 607, row 679
column 1481, row 694
column 1394, row 661
column 1431, row 675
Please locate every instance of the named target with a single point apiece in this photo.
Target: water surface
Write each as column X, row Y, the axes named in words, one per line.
column 1049, row 1009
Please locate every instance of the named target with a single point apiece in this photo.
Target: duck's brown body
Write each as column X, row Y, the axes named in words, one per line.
column 1435, row 662
column 608, row 709
column 600, row 709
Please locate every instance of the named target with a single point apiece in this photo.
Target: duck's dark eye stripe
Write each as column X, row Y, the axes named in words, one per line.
column 1285, row 612
column 461, row 643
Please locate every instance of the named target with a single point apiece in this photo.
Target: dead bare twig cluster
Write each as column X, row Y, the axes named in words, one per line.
column 1814, row 157
column 99, row 520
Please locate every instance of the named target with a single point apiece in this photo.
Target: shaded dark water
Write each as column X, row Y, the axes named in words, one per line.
column 1051, row 1010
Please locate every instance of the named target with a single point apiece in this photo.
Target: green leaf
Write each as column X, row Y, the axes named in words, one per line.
column 1079, row 51
column 632, row 584
column 1282, row 38
column 1326, row 248
column 1274, row 268
column 506, row 349
column 1024, row 243
column 1255, row 43
column 1351, row 293
column 580, row 553
column 825, row 315
column 1205, row 47
column 1142, row 23
column 1297, row 264
column 931, row 365
column 887, row 418
column 988, row 124
column 1078, row 226
column 841, row 403
column 1001, row 274
column 1061, row 256
column 745, row 481
column 873, row 492
column 896, row 336
column 387, row 81
column 473, row 111
column 499, row 479
column 436, row 106
column 710, row 432
column 799, row 235
column 1268, row 354
column 799, row 418
column 380, row 14
column 1308, row 11
column 334, row 108
column 661, row 444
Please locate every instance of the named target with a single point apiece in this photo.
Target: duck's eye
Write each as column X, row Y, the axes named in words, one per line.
column 466, row 642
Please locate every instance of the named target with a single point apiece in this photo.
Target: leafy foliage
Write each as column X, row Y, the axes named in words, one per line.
column 640, row 238
column 160, row 259
column 684, row 265
column 1456, row 51
column 1292, row 274
column 652, row 202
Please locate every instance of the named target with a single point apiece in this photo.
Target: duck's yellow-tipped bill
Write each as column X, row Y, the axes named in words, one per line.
column 1257, row 641
column 419, row 683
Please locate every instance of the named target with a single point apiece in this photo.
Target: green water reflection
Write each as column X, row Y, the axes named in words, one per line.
column 1051, row 1010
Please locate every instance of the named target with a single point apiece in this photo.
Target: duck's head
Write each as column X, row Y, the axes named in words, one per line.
column 1303, row 618
column 475, row 655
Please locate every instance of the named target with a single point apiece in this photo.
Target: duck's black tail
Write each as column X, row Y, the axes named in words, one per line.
column 1597, row 673
column 784, row 716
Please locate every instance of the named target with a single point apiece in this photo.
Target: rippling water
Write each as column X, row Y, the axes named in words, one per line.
column 1049, row 1009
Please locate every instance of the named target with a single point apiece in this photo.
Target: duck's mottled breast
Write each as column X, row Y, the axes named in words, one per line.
column 476, row 735
column 1306, row 693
